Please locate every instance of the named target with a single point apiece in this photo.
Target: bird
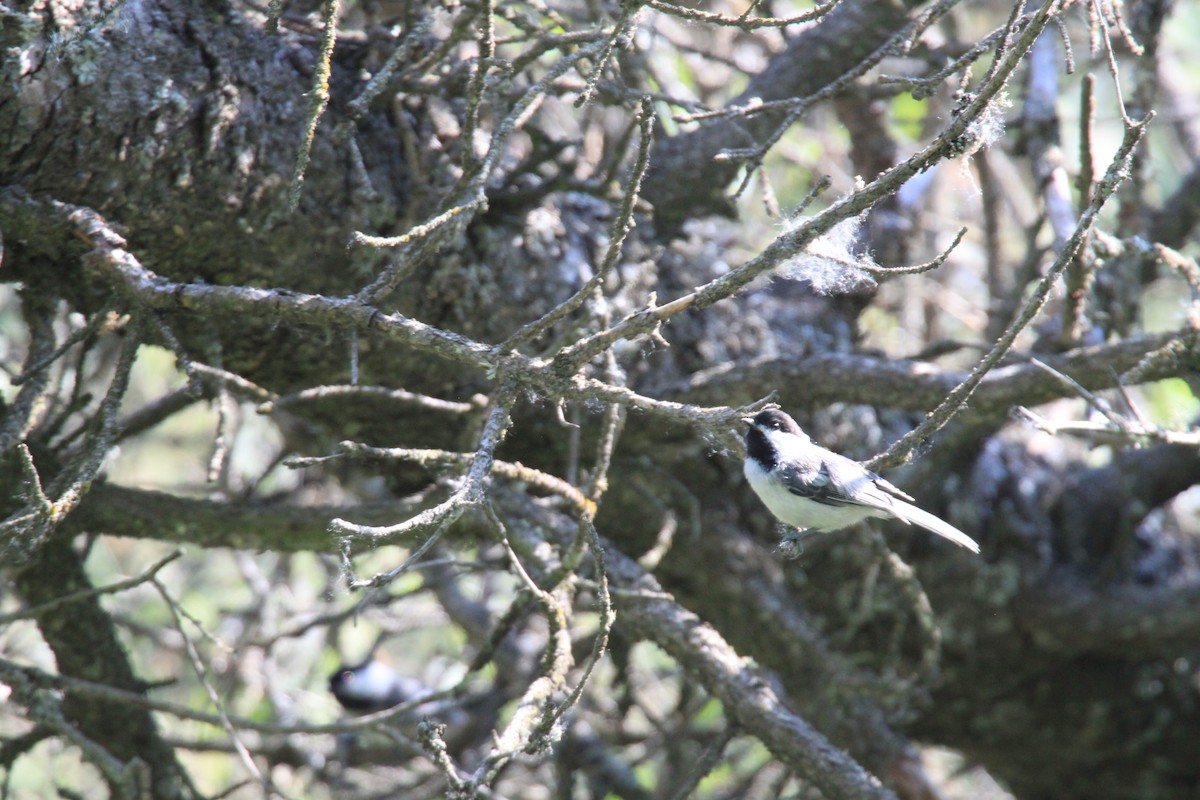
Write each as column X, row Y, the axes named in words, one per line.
column 371, row 686
column 814, row 489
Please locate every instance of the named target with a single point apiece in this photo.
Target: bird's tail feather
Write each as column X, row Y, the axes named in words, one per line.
column 916, row 516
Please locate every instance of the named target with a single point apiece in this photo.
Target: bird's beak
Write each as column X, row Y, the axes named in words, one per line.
column 748, row 420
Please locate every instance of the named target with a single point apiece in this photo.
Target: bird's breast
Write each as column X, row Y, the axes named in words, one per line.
column 797, row 511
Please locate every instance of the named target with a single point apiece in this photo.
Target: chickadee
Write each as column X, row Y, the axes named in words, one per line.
column 371, row 686
column 814, row 489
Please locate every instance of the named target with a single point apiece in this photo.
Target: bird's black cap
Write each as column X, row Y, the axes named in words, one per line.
column 774, row 419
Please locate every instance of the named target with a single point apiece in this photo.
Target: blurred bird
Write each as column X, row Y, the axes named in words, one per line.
column 372, row 686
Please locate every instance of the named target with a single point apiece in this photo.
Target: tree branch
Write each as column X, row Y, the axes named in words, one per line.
column 817, row 380
column 745, row 692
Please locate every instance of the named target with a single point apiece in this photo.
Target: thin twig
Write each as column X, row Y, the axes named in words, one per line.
column 94, row 324
column 75, row 482
column 471, row 195
column 317, row 394
column 925, row 86
column 914, row 269
column 111, row 588
column 478, row 83
column 1079, row 272
column 379, row 81
column 788, row 244
column 213, row 696
column 24, row 411
column 622, row 224
column 318, row 98
column 1112, row 62
column 705, row 764
column 507, row 469
column 624, row 21
column 743, row 22
column 472, row 493
column 954, row 402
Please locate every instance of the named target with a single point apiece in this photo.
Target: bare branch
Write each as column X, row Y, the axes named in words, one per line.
column 1117, row 170
column 746, row 694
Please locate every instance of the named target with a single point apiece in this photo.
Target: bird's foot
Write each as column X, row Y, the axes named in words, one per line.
column 791, row 541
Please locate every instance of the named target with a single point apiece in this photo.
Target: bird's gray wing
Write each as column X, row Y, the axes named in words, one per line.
column 840, row 481
column 821, row 481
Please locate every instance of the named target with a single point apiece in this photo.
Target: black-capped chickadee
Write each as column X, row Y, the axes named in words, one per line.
column 371, row 686
column 814, row 489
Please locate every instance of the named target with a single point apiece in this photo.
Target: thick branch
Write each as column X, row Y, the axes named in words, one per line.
column 1100, row 508
column 824, row 378
column 746, row 693
column 120, row 271
column 119, row 511
column 1064, row 615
